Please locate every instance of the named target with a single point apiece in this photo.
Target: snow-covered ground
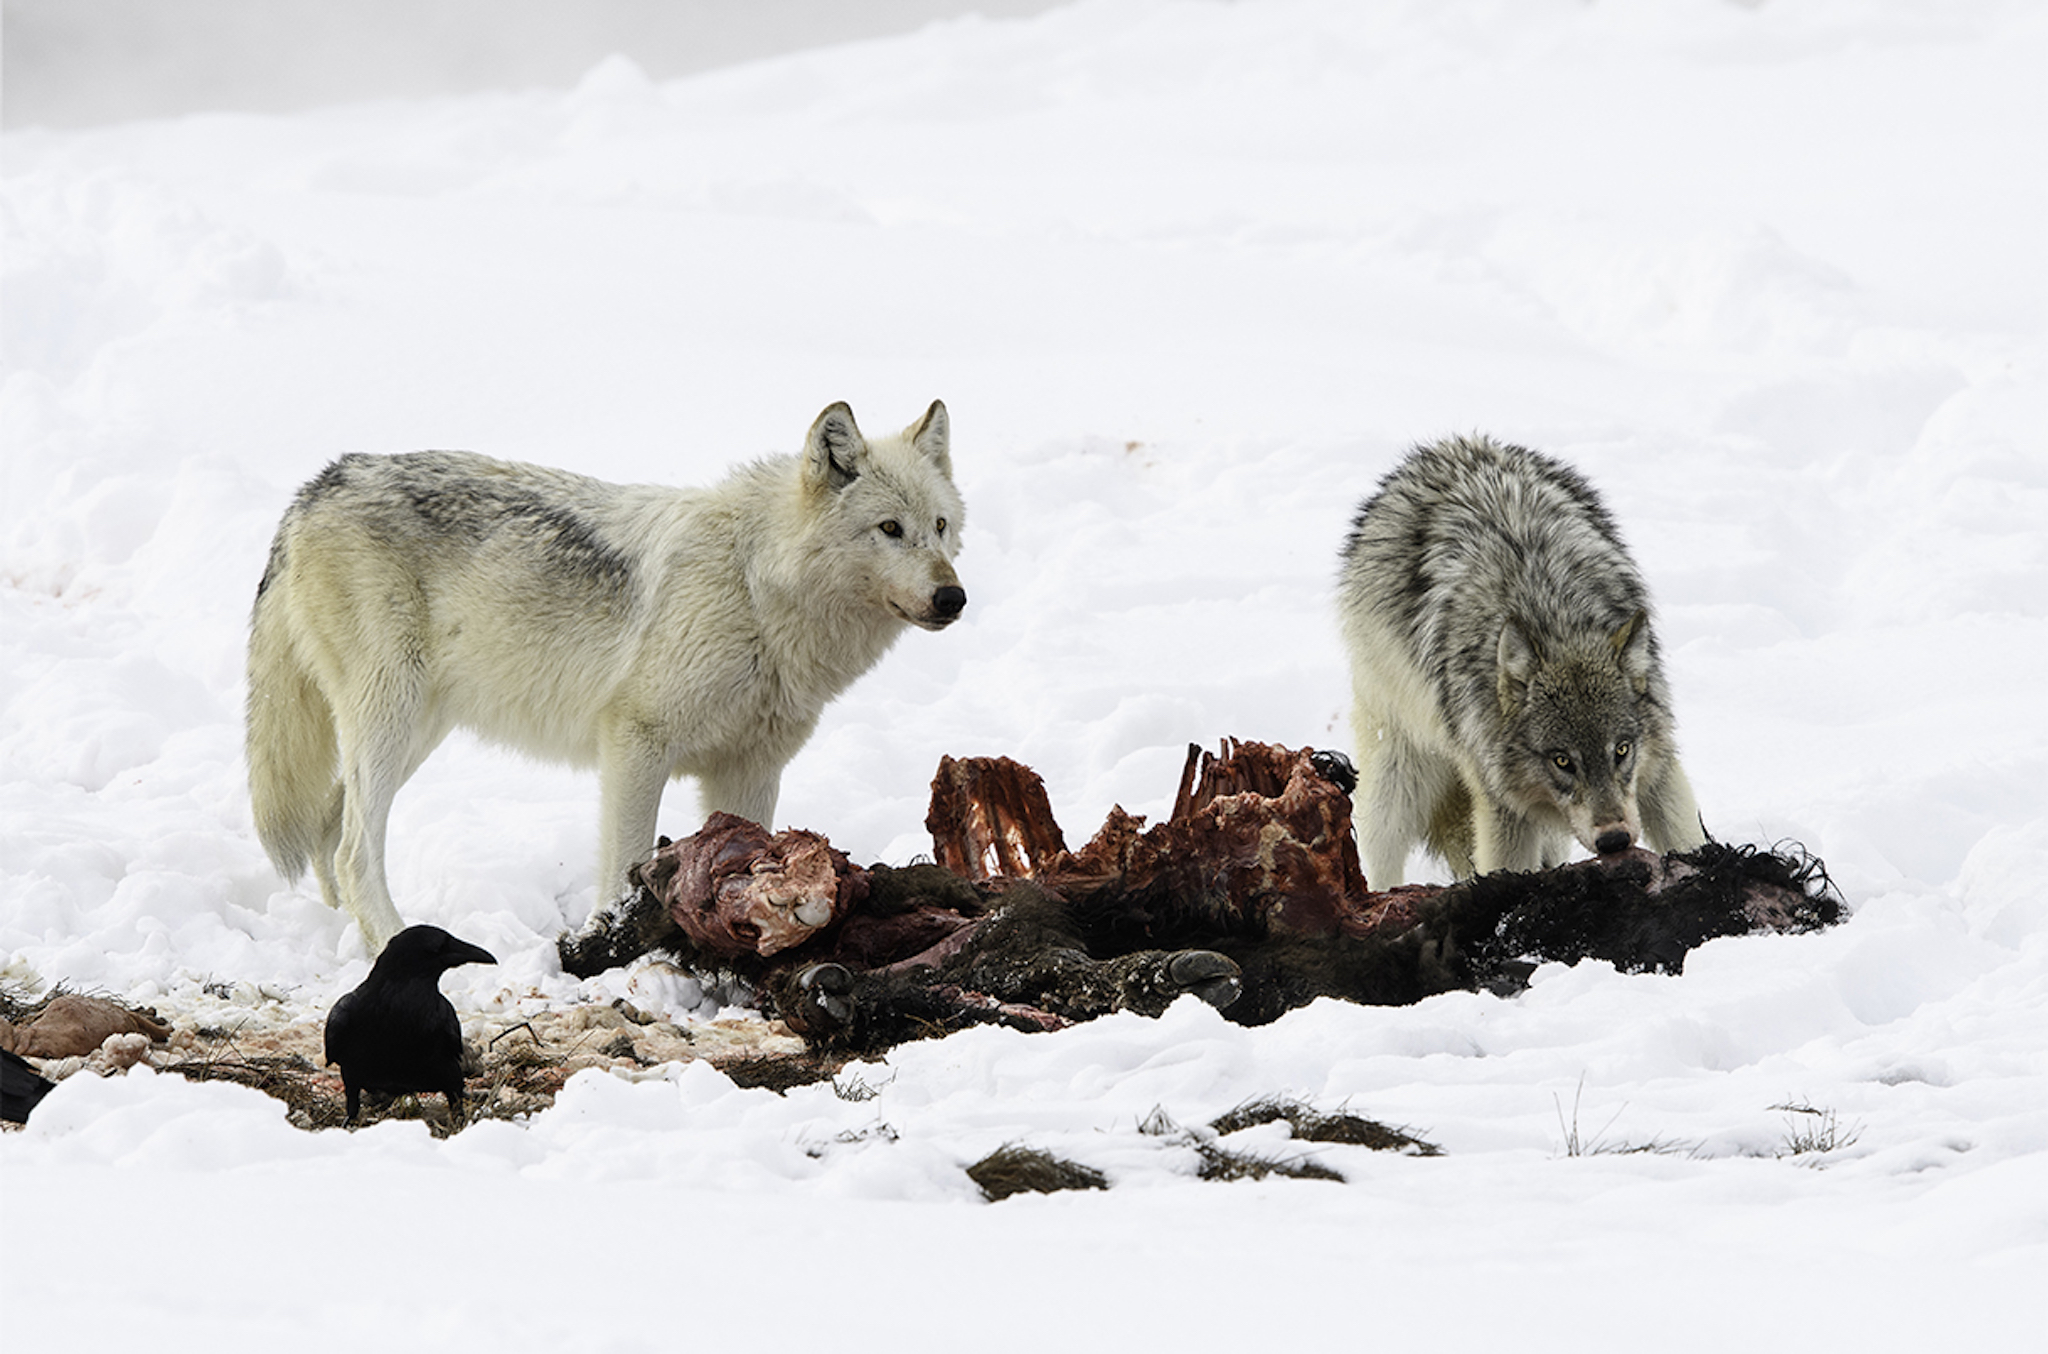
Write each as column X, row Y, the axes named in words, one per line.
column 1190, row 277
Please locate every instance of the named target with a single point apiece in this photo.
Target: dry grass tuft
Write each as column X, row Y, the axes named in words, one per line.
column 1025, row 1170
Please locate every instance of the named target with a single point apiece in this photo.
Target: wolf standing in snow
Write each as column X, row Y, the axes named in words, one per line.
column 650, row 632
column 1508, row 693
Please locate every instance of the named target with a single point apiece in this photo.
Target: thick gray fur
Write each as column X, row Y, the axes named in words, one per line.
column 1508, row 694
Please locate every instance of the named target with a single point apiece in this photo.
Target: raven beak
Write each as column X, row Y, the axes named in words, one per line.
column 462, row 952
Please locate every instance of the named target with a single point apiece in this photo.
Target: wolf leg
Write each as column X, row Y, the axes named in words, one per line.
column 328, row 845
column 1450, row 826
column 1503, row 839
column 1394, row 799
column 359, row 858
column 378, row 755
column 1671, row 817
column 745, row 790
column 631, row 775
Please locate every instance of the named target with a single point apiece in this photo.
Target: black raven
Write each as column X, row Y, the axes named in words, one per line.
column 397, row 1032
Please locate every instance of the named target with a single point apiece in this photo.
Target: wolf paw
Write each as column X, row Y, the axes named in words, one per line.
column 1211, row 976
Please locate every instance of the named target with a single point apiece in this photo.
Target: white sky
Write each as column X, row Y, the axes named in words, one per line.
column 80, row 63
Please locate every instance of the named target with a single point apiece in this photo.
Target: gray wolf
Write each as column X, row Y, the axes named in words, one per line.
column 1508, row 694
column 650, row 632
column 396, row 1033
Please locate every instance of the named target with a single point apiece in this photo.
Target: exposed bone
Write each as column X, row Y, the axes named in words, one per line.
column 735, row 890
column 1256, row 830
column 990, row 819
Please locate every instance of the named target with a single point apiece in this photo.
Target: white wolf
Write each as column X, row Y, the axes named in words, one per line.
column 1508, row 692
column 650, row 632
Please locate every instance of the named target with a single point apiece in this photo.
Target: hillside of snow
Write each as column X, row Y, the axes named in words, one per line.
column 1190, row 278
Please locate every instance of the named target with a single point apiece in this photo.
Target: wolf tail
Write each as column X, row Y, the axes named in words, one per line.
column 290, row 740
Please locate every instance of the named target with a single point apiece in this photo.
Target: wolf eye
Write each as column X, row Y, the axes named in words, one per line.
column 1621, row 750
column 942, row 526
column 1561, row 762
column 892, row 528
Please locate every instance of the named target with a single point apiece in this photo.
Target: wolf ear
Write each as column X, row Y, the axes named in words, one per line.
column 1631, row 641
column 834, row 452
column 933, row 437
column 1518, row 657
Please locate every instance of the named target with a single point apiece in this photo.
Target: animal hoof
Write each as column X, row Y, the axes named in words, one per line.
column 827, row 989
column 1335, row 768
column 1207, row 974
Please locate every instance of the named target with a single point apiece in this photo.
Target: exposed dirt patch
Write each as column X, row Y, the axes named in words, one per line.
column 517, row 1063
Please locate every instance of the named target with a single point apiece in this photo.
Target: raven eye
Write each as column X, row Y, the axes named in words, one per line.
column 892, row 528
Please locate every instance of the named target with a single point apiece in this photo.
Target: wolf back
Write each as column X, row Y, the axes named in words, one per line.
column 647, row 631
column 1508, row 690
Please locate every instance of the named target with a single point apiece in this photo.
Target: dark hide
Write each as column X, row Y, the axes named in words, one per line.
column 1037, row 961
column 1638, row 912
column 1021, row 956
column 1023, row 964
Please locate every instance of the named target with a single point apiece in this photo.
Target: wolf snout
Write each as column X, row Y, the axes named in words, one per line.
column 940, row 609
column 1612, row 841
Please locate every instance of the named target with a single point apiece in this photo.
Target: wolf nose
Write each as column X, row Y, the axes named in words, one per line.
column 949, row 601
column 1613, row 841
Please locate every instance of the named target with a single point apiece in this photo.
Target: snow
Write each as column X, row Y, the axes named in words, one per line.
column 1190, row 277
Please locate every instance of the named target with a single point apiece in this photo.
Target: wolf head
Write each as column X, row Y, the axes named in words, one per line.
column 897, row 510
column 1584, row 715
